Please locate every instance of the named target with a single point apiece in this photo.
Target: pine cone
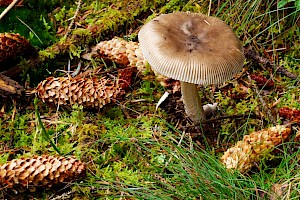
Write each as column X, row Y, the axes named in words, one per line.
column 128, row 54
column 122, row 52
column 253, row 147
column 40, row 171
column 89, row 92
column 12, row 45
column 115, row 50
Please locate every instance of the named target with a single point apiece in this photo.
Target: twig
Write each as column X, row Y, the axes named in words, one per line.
column 74, row 17
column 264, row 104
column 65, row 195
column 12, row 72
column 8, row 8
column 278, row 69
column 209, row 8
column 227, row 117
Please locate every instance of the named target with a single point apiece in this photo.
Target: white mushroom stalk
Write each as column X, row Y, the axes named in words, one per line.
column 194, row 49
column 192, row 102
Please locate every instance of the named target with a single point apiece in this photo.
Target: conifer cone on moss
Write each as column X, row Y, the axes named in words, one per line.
column 88, row 92
column 40, row 171
column 122, row 52
column 128, row 54
column 12, row 45
column 253, row 147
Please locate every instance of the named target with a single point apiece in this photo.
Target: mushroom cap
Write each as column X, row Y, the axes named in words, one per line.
column 191, row 47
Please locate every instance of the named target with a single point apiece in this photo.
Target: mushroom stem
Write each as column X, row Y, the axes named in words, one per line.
column 192, row 102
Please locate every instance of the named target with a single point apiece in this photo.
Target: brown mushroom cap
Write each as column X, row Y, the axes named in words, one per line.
column 191, row 47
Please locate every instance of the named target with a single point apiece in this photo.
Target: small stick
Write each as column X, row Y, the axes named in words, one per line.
column 74, row 17
column 209, row 8
column 278, row 69
column 8, row 8
column 227, row 117
column 264, row 104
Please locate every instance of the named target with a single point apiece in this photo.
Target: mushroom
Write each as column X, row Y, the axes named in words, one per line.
column 194, row 49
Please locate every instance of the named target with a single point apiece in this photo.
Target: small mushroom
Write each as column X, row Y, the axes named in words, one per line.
column 194, row 49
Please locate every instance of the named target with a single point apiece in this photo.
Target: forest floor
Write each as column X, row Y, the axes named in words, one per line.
column 131, row 148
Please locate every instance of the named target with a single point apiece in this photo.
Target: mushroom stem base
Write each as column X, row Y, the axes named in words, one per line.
column 192, row 102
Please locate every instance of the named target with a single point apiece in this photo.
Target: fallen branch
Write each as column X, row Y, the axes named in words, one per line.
column 252, row 115
column 8, row 8
column 249, row 54
column 73, row 18
column 264, row 104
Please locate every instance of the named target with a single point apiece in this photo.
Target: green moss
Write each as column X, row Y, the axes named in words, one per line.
column 34, row 18
column 120, row 172
column 289, row 99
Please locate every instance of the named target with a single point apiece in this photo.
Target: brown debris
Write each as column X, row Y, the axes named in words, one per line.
column 278, row 191
column 40, row 171
column 4, row 3
column 290, row 114
column 171, row 84
column 239, row 92
column 89, row 92
column 278, row 69
column 261, row 81
column 114, row 50
column 264, row 104
column 253, row 147
column 125, row 77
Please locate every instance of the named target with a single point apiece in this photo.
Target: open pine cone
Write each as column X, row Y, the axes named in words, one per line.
column 128, row 54
column 12, row 45
column 253, row 147
column 122, row 52
column 40, row 171
column 89, row 92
